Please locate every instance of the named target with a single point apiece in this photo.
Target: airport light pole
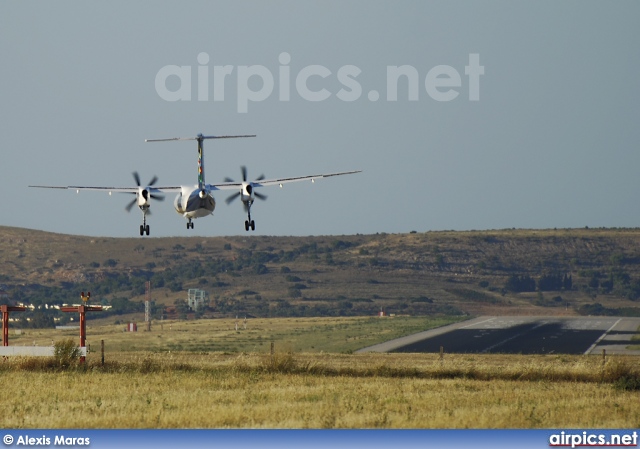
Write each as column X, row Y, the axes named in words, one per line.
column 5, row 321
column 82, row 310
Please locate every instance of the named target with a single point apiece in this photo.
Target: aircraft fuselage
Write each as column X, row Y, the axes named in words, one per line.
column 193, row 202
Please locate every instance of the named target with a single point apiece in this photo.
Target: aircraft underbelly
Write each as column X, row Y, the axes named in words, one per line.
column 198, row 213
column 192, row 206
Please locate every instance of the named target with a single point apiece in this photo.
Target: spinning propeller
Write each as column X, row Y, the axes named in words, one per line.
column 143, row 193
column 247, row 188
column 247, row 194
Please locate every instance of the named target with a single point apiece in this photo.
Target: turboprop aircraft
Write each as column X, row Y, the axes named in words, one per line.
column 196, row 201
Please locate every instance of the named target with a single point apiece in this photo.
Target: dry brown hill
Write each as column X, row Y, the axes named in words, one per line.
column 434, row 272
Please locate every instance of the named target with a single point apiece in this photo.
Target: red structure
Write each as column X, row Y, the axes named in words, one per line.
column 5, row 321
column 83, row 330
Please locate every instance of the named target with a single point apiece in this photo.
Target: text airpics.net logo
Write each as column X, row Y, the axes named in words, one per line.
column 256, row 83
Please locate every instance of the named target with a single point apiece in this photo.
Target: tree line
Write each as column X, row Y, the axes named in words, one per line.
column 546, row 283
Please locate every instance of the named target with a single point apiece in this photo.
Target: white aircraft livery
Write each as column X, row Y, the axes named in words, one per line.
column 196, row 201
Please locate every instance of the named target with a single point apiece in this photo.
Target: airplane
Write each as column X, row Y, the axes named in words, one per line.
column 196, row 201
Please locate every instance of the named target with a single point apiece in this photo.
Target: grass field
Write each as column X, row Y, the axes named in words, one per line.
column 253, row 335
column 205, row 374
column 322, row 391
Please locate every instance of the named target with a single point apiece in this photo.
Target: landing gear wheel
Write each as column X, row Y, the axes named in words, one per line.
column 253, row 225
column 141, row 230
column 189, row 225
column 246, row 225
column 147, row 229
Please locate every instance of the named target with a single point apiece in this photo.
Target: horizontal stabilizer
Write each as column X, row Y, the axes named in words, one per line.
column 197, row 138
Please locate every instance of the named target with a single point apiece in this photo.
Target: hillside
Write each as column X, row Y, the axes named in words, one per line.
column 547, row 272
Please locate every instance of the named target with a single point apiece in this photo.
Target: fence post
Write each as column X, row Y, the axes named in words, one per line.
column 272, row 353
column 102, row 350
column 441, row 354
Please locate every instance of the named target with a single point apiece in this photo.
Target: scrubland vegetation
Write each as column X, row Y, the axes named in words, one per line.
column 514, row 271
column 315, row 298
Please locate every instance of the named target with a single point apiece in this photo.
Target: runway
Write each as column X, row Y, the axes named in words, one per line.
column 522, row 335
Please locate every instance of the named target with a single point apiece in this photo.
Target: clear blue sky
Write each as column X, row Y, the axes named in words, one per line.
column 552, row 140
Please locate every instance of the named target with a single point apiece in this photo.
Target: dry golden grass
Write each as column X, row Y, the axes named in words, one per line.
column 151, row 390
column 168, row 379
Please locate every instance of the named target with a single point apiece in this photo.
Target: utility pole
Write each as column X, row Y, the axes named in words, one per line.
column 147, row 305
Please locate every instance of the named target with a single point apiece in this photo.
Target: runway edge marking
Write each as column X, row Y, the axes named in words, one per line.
column 399, row 342
column 597, row 342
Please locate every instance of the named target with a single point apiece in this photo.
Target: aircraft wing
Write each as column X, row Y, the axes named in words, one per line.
column 279, row 181
column 114, row 189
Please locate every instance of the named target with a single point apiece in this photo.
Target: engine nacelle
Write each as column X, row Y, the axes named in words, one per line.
column 143, row 199
column 247, row 192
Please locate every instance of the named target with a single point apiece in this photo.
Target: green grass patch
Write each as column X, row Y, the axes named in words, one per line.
column 331, row 335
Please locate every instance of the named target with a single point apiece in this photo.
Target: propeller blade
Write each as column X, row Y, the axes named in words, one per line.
column 244, row 173
column 131, row 204
column 228, row 180
column 232, row 198
column 144, row 193
column 259, row 195
column 260, row 178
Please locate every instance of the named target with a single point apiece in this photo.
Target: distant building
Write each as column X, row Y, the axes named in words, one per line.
column 197, row 299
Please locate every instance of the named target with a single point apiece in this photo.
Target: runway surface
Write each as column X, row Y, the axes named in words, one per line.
column 522, row 335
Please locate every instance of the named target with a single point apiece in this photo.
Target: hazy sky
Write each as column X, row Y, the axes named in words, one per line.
column 548, row 136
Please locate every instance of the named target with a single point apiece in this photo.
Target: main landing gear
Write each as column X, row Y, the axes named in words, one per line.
column 249, row 223
column 144, row 227
column 190, row 224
